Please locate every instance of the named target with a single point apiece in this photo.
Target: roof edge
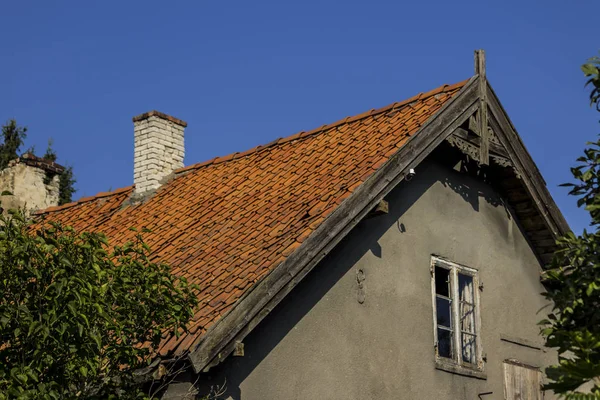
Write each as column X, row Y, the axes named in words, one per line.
column 536, row 184
column 303, row 134
column 82, row 200
column 266, row 294
column 236, row 155
column 216, row 344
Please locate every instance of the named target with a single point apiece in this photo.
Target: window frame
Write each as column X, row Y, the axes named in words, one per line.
column 456, row 363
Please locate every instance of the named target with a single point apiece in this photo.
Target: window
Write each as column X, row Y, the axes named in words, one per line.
column 456, row 315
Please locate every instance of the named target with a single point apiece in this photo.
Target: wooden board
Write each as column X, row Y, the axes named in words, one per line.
column 522, row 382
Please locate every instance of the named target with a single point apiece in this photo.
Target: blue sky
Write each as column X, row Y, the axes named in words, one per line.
column 245, row 73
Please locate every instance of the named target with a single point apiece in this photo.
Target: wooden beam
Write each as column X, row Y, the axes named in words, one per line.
column 238, row 350
column 483, row 112
column 535, row 185
column 381, row 208
column 476, row 140
column 517, row 195
column 524, row 207
column 257, row 303
column 474, row 124
column 549, row 243
column 540, row 235
column 511, row 182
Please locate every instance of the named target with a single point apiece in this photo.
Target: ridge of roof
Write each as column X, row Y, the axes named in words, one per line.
column 83, row 200
column 226, row 226
column 302, row 134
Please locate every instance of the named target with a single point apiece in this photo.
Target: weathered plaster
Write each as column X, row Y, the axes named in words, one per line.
column 27, row 189
column 322, row 342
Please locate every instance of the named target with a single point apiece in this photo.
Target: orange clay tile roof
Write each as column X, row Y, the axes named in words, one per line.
column 224, row 224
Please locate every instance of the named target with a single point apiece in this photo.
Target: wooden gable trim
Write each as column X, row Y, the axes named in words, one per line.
column 257, row 303
column 524, row 164
column 484, row 154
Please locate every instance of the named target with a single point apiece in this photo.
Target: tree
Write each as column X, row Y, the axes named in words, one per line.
column 66, row 187
column 13, row 137
column 50, row 154
column 77, row 317
column 67, row 181
column 573, row 281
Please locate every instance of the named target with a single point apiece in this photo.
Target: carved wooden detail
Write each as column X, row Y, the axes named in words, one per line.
column 464, row 146
column 469, row 143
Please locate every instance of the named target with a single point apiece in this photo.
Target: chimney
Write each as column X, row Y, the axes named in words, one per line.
column 158, row 150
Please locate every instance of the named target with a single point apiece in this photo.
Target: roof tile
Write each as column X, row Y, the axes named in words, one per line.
column 227, row 222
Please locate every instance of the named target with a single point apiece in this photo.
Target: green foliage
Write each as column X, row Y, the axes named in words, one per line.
column 50, row 154
column 13, row 137
column 573, row 281
column 592, row 71
column 76, row 319
column 66, row 187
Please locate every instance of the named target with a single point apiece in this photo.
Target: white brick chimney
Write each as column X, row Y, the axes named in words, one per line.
column 158, row 149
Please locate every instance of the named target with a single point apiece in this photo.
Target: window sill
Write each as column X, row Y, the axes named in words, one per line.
column 454, row 368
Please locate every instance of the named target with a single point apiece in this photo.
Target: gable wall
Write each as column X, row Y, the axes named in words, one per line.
column 321, row 343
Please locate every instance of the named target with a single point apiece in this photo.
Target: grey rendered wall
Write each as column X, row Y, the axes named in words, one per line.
column 321, row 343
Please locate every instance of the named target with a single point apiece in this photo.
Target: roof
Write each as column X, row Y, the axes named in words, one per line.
column 227, row 223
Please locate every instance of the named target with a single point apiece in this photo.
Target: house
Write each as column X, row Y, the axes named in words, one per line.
column 391, row 255
column 30, row 183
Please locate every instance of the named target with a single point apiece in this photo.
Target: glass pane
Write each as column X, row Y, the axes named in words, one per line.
column 442, row 281
column 444, row 344
column 469, row 349
column 465, row 288
column 467, row 317
column 442, row 308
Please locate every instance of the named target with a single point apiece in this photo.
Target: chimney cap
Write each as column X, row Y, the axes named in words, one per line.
column 155, row 113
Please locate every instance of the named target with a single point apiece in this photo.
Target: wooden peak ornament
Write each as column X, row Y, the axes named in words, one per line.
column 484, row 148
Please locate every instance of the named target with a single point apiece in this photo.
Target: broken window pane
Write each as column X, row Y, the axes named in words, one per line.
column 443, row 308
column 444, row 312
column 444, row 343
column 469, row 350
column 455, row 307
column 442, row 281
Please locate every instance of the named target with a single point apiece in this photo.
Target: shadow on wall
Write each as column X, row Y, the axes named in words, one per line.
column 272, row 330
column 472, row 193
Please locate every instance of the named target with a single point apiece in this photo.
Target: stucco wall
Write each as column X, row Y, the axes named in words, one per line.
column 27, row 188
column 321, row 343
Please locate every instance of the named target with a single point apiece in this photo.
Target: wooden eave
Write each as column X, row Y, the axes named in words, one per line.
column 527, row 193
column 523, row 185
